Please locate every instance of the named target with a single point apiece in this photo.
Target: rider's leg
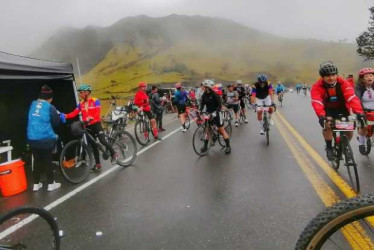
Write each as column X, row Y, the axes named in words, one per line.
column 154, row 127
column 92, row 131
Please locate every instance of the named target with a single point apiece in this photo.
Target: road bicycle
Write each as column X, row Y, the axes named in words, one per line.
column 345, row 225
column 369, row 126
column 76, row 159
column 29, row 228
column 342, row 147
column 265, row 121
column 191, row 115
column 207, row 131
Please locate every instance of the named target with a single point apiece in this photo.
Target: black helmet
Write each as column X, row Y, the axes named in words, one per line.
column 328, row 69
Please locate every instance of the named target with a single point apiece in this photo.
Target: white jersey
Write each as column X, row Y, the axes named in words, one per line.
column 231, row 96
column 368, row 99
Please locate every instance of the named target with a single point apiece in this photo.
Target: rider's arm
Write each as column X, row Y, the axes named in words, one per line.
column 350, row 97
column 74, row 113
column 55, row 118
column 316, row 94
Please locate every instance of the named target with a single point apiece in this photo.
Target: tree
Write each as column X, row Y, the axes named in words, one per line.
column 365, row 41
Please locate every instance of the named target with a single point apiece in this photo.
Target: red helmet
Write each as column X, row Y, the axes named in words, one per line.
column 142, row 84
column 365, row 71
column 178, row 85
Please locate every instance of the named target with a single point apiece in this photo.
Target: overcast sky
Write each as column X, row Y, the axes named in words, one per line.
column 24, row 24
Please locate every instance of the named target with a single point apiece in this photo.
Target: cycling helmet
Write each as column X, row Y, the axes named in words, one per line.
column 328, row 69
column 84, row 87
column 239, row 82
column 365, row 71
column 142, row 84
column 208, row 83
column 178, row 85
column 262, row 78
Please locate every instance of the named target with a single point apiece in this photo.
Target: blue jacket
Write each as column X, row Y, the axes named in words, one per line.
column 42, row 118
column 180, row 97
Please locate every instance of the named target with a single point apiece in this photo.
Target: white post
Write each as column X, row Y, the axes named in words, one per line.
column 79, row 71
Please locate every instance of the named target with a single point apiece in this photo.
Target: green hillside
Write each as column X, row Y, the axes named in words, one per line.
column 190, row 48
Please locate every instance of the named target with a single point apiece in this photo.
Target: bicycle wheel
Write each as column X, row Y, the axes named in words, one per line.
column 330, row 228
column 228, row 129
column 350, row 161
column 29, row 228
column 124, row 145
column 198, row 139
column 187, row 122
column 335, row 163
column 368, row 146
column 142, row 132
column 266, row 129
column 76, row 161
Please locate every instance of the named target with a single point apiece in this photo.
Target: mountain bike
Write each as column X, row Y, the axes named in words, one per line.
column 369, row 126
column 76, row 159
column 265, row 121
column 346, row 225
column 206, row 132
column 143, row 129
column 29, row 228
column 342, row 147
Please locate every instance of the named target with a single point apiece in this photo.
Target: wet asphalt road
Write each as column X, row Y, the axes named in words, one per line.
column 256, row 198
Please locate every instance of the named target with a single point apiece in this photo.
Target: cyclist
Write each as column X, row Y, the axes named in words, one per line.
column 332, row 96
column 233, row 102
column 241, row 91
column 279, row 89
column 181, row 99
column 90, row 109
column 263, row 94
column 213, row 105
column 141, row 100
column 305, row 88
column 298, row 88
column 365, row 92
column 42, row 119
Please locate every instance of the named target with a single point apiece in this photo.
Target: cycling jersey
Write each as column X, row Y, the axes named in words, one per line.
column 261, row 92
column 241, row 92
column 341, row 97
column 212, row 101
column 366, row 95
column 180, row 97
column 89, row 109
column 141, row 100
column 232, row 98
column 279, row 89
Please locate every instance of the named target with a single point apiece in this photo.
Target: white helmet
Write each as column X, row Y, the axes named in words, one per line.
column 208, row 83
column 239, row 82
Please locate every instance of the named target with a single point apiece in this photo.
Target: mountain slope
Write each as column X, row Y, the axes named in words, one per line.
column 190, row 48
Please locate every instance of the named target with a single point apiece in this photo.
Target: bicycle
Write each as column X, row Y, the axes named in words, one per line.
column 190, row 115
column 206, row 132
column 76, row 159
column 143, row 129
column 369, row 125
column 330, row 228
column 342, row 146
column 265, row 121
column 17, row 231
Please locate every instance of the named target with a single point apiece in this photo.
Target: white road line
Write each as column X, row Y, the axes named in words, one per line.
column 77, row 190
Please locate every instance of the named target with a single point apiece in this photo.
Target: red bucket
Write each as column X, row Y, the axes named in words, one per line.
column 12, row 178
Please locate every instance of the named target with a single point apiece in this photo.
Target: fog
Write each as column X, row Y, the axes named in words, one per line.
column 25, row 24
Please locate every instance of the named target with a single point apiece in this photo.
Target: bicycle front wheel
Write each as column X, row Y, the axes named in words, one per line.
column 76, row 161
column 124, row 145
column 29, row 228
column 266, row 129
column 187, row 122
column 350, row 161
column 142, row 132
column 228, row 128
column 198, row 140
column 333, row 228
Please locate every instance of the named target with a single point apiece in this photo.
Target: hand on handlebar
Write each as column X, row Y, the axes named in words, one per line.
column 62, row 118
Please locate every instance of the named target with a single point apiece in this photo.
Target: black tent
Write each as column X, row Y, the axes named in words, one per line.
column 20, row 81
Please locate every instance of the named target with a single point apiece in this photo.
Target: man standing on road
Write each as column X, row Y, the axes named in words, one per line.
column 333, row 97
column 181, row 98
column 157, row 108
column 233, row 102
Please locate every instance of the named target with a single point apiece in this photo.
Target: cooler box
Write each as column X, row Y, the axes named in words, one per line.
column 12, row 178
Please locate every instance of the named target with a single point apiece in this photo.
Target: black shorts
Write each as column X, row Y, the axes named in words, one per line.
column 181, row 108
column 218, row 120
column 337, row 113
column 242, row 104
column 235, row 107
column 149, row 115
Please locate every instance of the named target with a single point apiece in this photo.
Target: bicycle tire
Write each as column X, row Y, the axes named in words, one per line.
column 350, row 161
column 228, row 129
column 187, row 122
column 335, row 163
column 76, row 173
column 124, row 147
column 43, row 214
column 368, row 146
column 266, row 129
column 142, row 136
column 333, row 218
column 198, row 137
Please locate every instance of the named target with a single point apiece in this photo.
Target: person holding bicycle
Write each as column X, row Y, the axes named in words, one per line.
column 42, row 119
column 241, row 91
column 90, row 109
column 233, row 102
column 212, row 102
column 142, row 101
column 333, row 97
column 180, row 100
column 263, row 94
column 365, row 92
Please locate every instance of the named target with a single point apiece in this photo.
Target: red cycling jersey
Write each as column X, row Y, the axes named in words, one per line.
column 319, row 101
column 90, row 111
column 141, row 100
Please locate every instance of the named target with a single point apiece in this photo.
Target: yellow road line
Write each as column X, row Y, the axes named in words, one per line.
column 354, row 233
column 331, row 173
